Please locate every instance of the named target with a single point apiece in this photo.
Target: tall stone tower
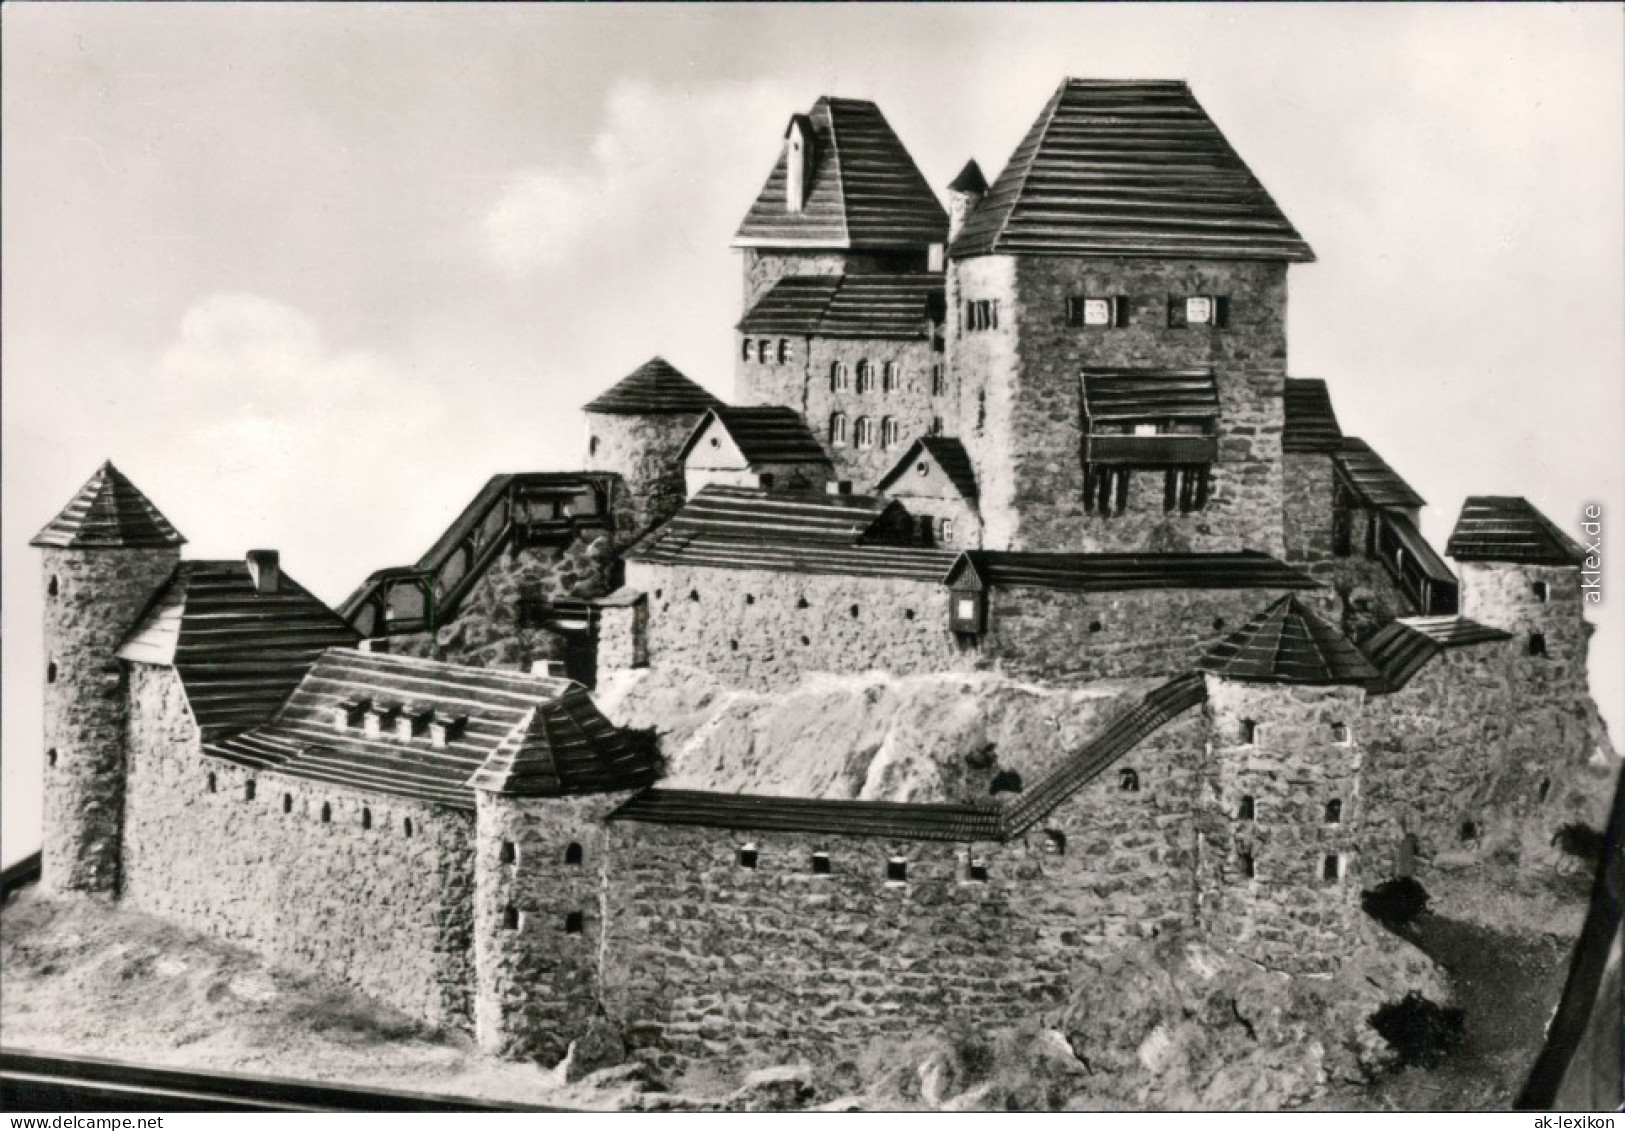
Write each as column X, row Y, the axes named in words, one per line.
column 637, row 428
column 105, row 555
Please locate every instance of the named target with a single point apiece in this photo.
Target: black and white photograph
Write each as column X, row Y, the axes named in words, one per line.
column 812, row 557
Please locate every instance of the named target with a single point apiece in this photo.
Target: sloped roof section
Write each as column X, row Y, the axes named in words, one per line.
column 1311, row 424
column 1402, row 648
column 1142, row 394
column 1287, row 643
column 654, row 388
column 948, row 452
column 1507, row 528
column 970, row 179
column 1110, row 573
column 1128, row 168
column 109, row 512
column 754, row 812
column 1371, row 479
column 889, row 307
column 754, row 515
column 865, row 191
column 911, row 563
column 505, row 732
column 238, row 652
column 763, row 433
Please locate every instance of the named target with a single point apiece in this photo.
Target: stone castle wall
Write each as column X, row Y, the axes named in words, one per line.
column 981, row 368
column 643, row 450
column 92, row 598
column 765, row 266
column 1307, row 483
column 386, row 911
column 911, row 404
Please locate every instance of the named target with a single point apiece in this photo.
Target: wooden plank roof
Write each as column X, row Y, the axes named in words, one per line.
column 1117, row 572
column 1150, row 394
column 970, row 179
column 758, row 515
column 911, row 563
column 948, row 452
column 1371, row 479
column 1507, row 528
column 1311, row 423
column 864, row 191
column 1287, row 643
column 887, row 307
column 238, row 652
column 1422, row 553
column 1403, row 647
column 108, row 512
column 654, row 388
column 1128, row 169
column 763, row 433
column 508, row 732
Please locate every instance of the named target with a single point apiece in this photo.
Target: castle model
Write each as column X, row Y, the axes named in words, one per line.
column 1044, row 439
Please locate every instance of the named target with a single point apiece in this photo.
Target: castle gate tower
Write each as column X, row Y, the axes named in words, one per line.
column 105, row 555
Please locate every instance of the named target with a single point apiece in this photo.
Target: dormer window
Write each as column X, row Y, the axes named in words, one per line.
column 349, row 713
column 445, row 729
column 1096, row 310
column 1199, row 310
column 410, row 724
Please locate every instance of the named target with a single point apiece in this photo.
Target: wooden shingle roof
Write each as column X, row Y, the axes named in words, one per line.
column 1144, row 394
column 1288, row 643
column 1117, row 572
column 718, row 511
column 1507, row 528
column 1128, row 169
column 108, row 512
column 911, row 563
column 970, row 179
column 1402, row 648
column 1311, row 424
column 890, row 307
column 864, row 192
column 1371, row 479
column 238, row 652
column 506, row 732
column 948, row 452
column 763, row 433
column 654, row 388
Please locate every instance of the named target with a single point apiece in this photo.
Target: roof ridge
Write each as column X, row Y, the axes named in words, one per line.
column 1048, row 118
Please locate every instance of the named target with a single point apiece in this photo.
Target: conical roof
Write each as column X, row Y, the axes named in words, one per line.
column 654, row 388
column 1287, row 643
column 109, row 512
column 970, row 179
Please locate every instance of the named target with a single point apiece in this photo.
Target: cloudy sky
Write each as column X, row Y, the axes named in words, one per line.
column 311, row 275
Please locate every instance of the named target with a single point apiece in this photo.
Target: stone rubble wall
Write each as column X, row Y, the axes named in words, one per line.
column 643, row 450
column 386, row 912
column 99, row 594
column 911, row 404
column 1307, row 483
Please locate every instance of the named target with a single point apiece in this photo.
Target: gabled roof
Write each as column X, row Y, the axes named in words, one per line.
column 1506, row 528
column 108, row 512
column 970, row 179
column 1287, row 643
column 1142, row 394
column 1128, row 168
column 848, row 306
column 1371, row 479
column 950, row 457
column 654, row 388
column 509, row 733
column 763, row 433
column 1111, row 573
column 1311, row 424
column 864, row 192
column 755, row 515
column 238, row 652
column 1402, row 648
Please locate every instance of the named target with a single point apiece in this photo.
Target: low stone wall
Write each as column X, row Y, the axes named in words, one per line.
column 386, row 910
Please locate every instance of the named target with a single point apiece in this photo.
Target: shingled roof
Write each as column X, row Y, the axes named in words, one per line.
column 108, row 512
column 1145, row 394
column 1128, row 168
column 669, row 547
column 654, row 388
column 763, row 433
column 848, row 306
column 1506, row 528
column 947, row 452
column 1117, row 572
column 1369, row 476
column 238, row 652
column 1287, row 643
column 1403, row 647
column 504, row 732
column 718, row 511
column 1311, row 424
column 970, row 179
column 864, row 192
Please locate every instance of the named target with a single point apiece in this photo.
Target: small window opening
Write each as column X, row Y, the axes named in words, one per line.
column 366, row 818
column 507, row 853
column 693, row 594
column 806, row 642
column 1334, row 811
column 747, row 856
column 1340, row 732
column 510, row 918
column 908, row 614
column 50, row 760
column 1095, row 626
column 820, row 863
column 977, row 872
column 214, row 783
column 1005, row 781
column 53, row 587
column 750, row 599
column 733, row 645
column 1331, row 868
column 287, row 803
column 327, row 812
column 249, row 790
column 896, row 870
column 1249, row 868
column 801, row 602
column 1543, row 793
column 1128, row 781
column 1247, row 811
column 1249, row 732
column 572, row 854
column 574, row 923
column 854, row 611
column 1537, row 643
column 1468, row 831
column 592, row 445
column 406, row 826
column 1055, row 842
column 50, row 672
column 1539, row 587
column 1218, row 624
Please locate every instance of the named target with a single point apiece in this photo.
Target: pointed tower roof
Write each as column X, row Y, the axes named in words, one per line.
column 654, row 388
column 1508, row 528
column 864, row 190
column 1287, row 643
column 970, row 179
column 1128, row 168
column 566, row 746
column 109, row 512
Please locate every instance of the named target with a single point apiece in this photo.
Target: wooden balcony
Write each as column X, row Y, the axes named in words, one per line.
column 1149, row 451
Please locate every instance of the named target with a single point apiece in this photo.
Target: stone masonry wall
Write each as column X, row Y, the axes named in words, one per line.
column 389, row 912
column 1289, row 914
column 92, row 598
column 644, row 451
column 1307, row 479
column 1503, row 596
column 765, row 266
column 982, row 367
column 911, row 404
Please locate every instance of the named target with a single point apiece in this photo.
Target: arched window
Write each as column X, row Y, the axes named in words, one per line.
column 939, row 384
column 214, row 783
column 837, row 429
column 889, row 377
column 890, row 432
column 1005, row 781
column 249, row 788
column 784, row 350
column 764, row 351
column 406, row 827
column 863, row 432
column 745, row 350
column 327, row 813
column 1543, row 793
column 866, row 376
column 1334, row 811
column 946, row 528
column 839, row 380
column 1128, row 781
column 53, row 587
column 572, row 854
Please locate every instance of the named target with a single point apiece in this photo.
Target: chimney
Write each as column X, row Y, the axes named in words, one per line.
column 965, row 192
column 798, row 162
column 265, row 567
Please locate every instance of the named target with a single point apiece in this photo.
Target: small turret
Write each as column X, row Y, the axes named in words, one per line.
column 965, row 192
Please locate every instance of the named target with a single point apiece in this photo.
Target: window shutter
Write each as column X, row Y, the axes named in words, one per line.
column 1221, row 311
column 1176, row 314
column 1122, row 491
column 1120, row 311
column 1089, row 477
column 1170, row 484
column 1201, row 488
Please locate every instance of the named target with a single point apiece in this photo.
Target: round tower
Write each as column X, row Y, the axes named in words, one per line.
column 638, row 427
column 105, row 556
